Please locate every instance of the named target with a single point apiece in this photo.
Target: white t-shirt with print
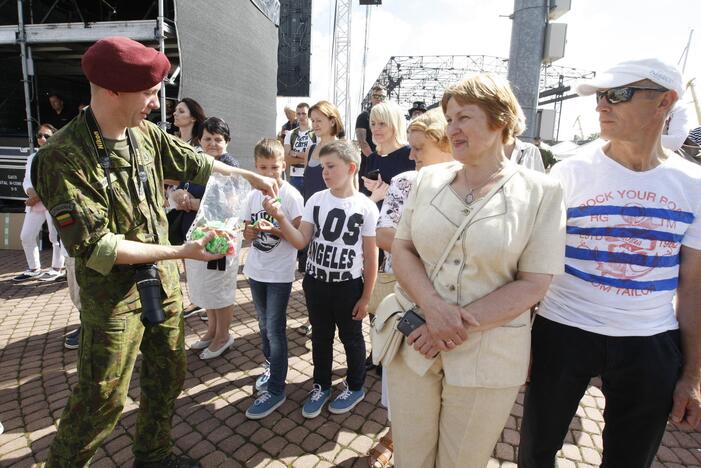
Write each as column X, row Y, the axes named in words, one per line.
column 625, row 230
column 302, row 142
column 270, row 258
column 336, row 250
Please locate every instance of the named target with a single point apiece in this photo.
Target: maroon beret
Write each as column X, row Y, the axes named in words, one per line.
column 121, row 64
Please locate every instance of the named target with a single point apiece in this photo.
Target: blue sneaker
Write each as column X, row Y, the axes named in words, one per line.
column 265, row 404
column 316, row 401
column 262, row 380
column 72, row 340
column 346, row 400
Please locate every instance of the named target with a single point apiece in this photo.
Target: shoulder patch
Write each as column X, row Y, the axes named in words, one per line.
column 63, row 214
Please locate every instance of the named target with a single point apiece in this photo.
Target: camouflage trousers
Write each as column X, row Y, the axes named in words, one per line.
column 108, row 351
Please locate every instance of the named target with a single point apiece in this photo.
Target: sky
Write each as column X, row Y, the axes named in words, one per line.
column 599, row 33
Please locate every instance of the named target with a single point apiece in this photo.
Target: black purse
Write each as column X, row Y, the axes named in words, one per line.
column 175, row 227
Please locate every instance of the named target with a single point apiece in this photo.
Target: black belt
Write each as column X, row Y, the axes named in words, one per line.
column 296, row 165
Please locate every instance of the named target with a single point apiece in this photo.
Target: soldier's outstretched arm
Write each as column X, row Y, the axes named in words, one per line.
column 265, row 184
column 134, row 253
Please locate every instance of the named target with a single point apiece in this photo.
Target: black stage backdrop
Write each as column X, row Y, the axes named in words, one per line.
column 228, row 55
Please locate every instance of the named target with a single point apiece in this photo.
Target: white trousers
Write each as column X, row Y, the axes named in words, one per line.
column 30, row 231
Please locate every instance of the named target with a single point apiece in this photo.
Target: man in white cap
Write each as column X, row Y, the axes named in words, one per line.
column 633, row 242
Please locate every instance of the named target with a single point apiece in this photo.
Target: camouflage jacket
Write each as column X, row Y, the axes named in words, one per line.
column 72, row 184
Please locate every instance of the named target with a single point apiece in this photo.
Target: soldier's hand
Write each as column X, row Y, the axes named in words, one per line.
column 266, row 185
column 195, row 249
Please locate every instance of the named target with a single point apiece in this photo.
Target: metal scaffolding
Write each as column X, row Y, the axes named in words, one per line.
column 341, row 59
column 424, row 78
column 58, row 45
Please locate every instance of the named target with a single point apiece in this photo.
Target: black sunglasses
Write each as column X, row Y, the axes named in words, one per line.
column 44, row 135
column 624, row 94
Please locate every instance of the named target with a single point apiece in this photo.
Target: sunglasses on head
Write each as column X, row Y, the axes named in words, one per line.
column 44, row 135
column 624, row 94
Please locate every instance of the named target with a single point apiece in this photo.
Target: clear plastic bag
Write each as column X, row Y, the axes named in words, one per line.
column 222, row 211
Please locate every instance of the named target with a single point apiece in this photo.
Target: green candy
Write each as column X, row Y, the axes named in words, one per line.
column 218, row 245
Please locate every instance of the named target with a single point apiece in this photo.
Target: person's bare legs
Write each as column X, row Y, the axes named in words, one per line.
column 221, row 328
column 211, row 325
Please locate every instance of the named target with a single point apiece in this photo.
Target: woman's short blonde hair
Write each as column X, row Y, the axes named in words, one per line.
column 433, row 125
column 331, row 112
column 494, row 96
column 391, row 114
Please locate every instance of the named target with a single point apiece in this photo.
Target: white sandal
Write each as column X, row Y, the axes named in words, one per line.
column 209, row 354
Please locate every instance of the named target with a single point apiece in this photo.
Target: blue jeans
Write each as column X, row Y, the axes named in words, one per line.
column 271, row 301
column 297, row 182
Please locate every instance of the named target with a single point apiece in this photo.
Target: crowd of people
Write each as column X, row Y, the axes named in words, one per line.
column 449, row 222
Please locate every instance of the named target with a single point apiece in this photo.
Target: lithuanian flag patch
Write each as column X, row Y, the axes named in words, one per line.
column 65, row 219
column 63, row 214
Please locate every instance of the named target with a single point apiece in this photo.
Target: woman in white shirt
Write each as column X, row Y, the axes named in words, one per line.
column 35, row 216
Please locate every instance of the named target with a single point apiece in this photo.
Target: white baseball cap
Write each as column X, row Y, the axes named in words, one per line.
column 664, row 74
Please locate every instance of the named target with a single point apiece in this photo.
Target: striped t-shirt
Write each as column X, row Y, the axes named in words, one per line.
column 625, row 230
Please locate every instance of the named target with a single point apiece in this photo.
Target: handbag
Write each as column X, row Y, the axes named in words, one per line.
column 384, row 336
column 384, row 286
column 175, row 230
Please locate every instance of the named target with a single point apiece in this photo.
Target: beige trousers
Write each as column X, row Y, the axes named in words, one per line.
column 439, row 425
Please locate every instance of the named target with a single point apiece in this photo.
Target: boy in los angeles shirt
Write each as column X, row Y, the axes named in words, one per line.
column 338, row 224
column 270, row 268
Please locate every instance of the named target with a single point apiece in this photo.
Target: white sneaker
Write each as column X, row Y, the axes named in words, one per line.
column 28, row 275
column 52, row 275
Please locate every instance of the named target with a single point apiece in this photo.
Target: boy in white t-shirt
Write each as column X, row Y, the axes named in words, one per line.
column 270, row 268
column 338, row 225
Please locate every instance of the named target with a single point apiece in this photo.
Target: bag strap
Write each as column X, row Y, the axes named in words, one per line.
column 512, row 169
column 470, row 216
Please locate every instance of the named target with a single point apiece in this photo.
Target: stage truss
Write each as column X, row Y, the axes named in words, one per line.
column 424, row 78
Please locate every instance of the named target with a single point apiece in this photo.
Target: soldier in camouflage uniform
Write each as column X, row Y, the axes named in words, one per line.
column 107, row 236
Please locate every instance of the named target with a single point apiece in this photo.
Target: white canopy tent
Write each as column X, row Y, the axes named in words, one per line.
column 567, row 149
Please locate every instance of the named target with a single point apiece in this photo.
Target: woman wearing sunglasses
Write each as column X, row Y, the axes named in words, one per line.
column 34, row 218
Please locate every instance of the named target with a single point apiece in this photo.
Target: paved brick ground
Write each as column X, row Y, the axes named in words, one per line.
column 36, row 374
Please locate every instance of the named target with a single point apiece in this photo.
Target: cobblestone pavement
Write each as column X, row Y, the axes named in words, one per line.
column 36, row 374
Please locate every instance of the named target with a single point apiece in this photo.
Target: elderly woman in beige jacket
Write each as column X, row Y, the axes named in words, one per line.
column 455, row 379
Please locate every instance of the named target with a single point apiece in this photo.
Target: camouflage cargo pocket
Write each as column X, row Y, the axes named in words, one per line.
column 104, row 354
